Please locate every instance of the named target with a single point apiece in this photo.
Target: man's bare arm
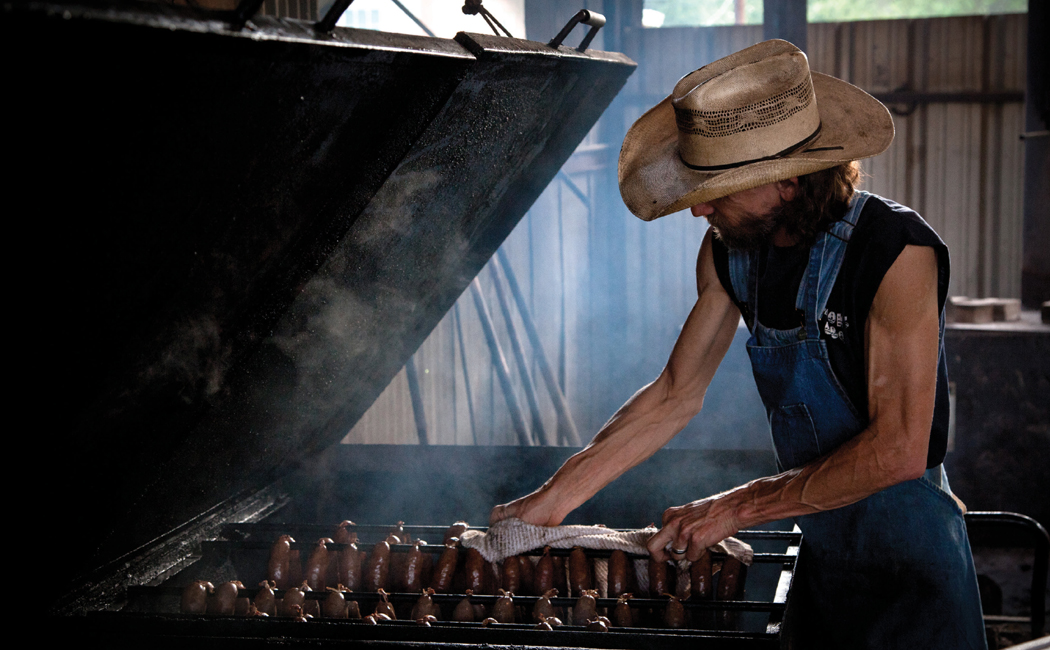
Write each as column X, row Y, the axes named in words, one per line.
column 648, row 420
column 901, row 337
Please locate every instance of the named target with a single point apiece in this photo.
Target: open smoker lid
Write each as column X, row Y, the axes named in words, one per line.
column 247, row 233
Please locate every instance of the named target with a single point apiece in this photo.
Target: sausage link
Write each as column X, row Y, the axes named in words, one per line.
column 279, row 568
column 349, row 574
column 543, row 576
column 412, row 570
column 674, row 613
column 474, row 569
column 730, row 587
column 657, row 578
column 295, row 568
column 464, row 611
column 293, row 598
column 344, row 532
column 334, row 604
column 195, row 597
column 618, row 564
column 622, row 614
column 581, row 575
column 525, row 571
column 681, row 581
column 445, row 570
column 511, row 575
column 503, row 610
column 224, row 600
column 317, row 565
column 559, row 575
column 378, row 571
column 264, row 598
column 454, row 531
column 700, row 577
column 731, row 582
column 586, row 607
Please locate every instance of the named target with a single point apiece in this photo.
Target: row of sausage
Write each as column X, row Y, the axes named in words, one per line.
column 230, row 599
column 339, row 560
column 401, row 564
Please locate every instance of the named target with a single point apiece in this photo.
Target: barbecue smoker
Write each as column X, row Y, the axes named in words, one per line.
column 254, row 222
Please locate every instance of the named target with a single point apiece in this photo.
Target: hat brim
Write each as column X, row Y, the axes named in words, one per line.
column 654, row 181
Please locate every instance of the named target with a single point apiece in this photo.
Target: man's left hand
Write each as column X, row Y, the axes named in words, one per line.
column 692, row 528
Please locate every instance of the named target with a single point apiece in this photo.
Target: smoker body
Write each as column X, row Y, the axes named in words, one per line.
column 249, row 231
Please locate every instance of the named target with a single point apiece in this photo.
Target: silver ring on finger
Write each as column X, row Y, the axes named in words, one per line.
column 679, row 551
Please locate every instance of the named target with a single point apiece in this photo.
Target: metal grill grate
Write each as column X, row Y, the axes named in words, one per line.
column 242, row 554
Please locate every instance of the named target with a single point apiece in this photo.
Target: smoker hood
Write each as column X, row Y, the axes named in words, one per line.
column 247, row 233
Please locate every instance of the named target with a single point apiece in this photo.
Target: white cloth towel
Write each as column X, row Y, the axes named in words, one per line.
column 514, row 537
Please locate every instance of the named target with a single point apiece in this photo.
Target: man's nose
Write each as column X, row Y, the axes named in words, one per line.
column 702, row 209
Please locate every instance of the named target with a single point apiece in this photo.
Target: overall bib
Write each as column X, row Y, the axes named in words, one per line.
column 893, row 570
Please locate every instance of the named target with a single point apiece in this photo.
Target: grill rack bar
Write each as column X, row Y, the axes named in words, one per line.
column 367, row 597
column 243, row 530
column 222, row 546
column 174, row 630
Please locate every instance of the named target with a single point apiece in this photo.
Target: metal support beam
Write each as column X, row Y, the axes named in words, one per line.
column 499, row 363
column 538, row 429
column 417, row 400
column 785, row 19
column 1035, row 265
column 567, row 431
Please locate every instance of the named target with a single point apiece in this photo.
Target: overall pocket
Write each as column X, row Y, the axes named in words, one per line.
column 794, row 436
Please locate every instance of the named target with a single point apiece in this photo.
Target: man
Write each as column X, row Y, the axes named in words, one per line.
column 843, row 293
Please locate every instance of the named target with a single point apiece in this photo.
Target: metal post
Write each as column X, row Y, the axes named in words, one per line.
column 785, row 19
column 1035, row 265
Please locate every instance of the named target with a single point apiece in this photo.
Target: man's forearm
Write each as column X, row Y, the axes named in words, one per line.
column 641, row 427
column 857, row 469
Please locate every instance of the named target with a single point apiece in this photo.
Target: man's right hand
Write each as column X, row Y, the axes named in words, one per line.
column 535, row 508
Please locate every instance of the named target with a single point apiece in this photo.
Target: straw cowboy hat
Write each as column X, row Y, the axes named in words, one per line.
column 752, row 118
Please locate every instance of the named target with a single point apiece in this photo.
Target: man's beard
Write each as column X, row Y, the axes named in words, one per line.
column 757, row 230
column 753, row 232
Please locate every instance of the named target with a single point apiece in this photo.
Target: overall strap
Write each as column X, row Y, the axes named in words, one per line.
column 825, row 260
column 742, row 269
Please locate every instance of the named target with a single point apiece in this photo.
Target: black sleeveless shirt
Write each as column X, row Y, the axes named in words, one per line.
column 883, row 229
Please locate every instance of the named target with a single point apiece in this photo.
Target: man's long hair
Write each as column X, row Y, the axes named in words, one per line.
column 822, row 199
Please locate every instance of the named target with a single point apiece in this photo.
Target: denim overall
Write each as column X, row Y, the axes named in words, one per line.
column 893, row 570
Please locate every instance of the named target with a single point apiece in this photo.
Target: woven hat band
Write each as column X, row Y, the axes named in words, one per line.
column 780, row 154
column 715, row 124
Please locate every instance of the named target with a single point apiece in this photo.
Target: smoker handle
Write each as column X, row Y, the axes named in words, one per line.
column 594, row 19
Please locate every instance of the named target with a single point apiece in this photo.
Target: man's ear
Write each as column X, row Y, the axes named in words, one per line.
column 788, row 188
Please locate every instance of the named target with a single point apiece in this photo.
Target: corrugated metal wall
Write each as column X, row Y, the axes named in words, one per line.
column 958, row 163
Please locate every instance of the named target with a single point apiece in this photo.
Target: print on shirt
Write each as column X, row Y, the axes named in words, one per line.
column 834, row 325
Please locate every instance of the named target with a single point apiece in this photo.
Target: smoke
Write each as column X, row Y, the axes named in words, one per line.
column 194, row 357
